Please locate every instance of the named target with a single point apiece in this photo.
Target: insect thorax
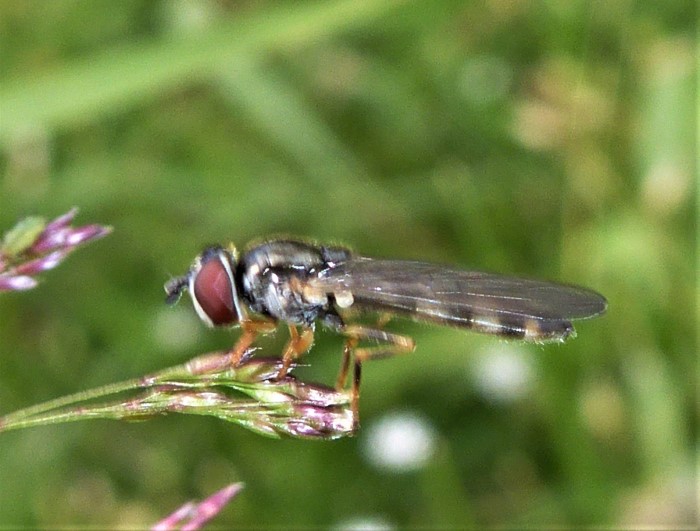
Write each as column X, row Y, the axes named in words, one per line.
column 272, row 277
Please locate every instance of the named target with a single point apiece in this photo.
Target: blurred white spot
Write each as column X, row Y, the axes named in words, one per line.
column 502, row 373
column 666, row 187
column 400, row 442
column 177, row 328
column 368, row 523
column 485, row 79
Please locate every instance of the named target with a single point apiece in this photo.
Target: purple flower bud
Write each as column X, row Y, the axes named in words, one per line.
column 199, row 514
column 211, row 506
column 50, row 240
column 16, row 282
column 62, row 221
column 172, row 520
column 68, row 237
column 33, row 246
column 86, row 234
column 318, row 422
column 44, row 263
column 319, row 394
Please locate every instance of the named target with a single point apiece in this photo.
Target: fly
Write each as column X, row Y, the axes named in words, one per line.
column 300, row 284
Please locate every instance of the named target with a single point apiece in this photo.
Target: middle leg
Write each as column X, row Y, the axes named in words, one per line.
column 297, row 345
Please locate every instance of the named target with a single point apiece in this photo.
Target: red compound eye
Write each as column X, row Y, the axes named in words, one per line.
column 213, row 291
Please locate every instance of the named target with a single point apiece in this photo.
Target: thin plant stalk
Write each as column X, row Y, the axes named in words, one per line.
column 207, row 385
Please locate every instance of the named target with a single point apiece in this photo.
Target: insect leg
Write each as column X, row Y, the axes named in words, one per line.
column 297, row 345
column 251, row 331
column 350, row 345
column 394, row 344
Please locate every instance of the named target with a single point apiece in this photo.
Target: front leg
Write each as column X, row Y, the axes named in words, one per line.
column 251, row 330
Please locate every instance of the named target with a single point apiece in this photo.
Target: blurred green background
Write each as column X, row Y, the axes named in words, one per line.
column 547, row 139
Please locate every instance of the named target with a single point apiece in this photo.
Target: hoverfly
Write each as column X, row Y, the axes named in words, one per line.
column 300, row 283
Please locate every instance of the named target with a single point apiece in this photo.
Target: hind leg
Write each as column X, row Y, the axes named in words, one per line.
column 392, row 345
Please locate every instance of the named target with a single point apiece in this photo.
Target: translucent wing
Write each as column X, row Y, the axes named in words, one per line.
column 487, row 303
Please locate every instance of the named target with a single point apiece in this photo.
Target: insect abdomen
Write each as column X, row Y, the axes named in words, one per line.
column 526, row 329
column 509, row 327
